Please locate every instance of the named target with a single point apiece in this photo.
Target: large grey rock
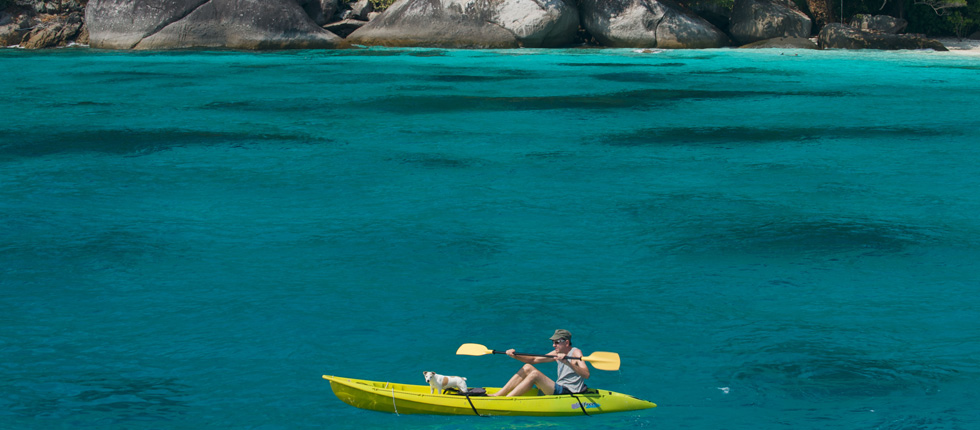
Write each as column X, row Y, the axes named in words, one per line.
column 232, row 24
column 361, row 9
column 54, row 7
column 13, row 28
column 712, row 11
column 472, row 24
column 10, row 35
column 53, row 33
column 320, row 11
column 648, row 24
column 839, row 36
column 755, row 20
column 880, row 23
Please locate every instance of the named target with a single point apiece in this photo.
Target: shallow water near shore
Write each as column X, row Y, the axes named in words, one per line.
column 769, row 239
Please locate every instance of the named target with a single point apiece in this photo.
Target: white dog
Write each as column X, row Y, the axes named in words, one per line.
column 440, row 382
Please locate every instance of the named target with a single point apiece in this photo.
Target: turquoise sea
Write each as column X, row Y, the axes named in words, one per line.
column 769, row 239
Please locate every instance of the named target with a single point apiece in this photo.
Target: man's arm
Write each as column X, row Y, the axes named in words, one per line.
column 529, row 359
column 578, row 366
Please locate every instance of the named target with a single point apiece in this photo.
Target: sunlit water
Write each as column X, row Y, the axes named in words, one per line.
column 770, row 239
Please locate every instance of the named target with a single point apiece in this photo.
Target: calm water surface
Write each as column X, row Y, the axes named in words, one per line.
column 770, row 239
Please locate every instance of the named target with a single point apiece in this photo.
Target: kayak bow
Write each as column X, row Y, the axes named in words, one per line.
column 417, row 399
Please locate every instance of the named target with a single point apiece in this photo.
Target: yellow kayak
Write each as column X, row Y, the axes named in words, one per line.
column 417, row 399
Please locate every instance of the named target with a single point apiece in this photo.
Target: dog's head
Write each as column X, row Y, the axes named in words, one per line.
column 428, row 375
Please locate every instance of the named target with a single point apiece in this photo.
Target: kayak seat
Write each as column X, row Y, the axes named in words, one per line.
column 472, row 392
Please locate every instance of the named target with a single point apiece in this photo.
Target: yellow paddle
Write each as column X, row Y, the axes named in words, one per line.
column 600, row 360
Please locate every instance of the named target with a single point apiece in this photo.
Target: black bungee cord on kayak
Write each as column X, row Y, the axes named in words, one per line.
column 580, row 404
column 467, row 394
column 473, row 407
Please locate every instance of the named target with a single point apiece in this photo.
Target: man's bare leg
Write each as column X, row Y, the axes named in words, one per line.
column 526, row 378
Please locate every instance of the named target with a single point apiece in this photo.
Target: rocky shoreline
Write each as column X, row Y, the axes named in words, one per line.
column 39, row 24
column 330, row 24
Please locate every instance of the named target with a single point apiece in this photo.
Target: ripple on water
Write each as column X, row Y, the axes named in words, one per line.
column 815, row 370
column 116, row 399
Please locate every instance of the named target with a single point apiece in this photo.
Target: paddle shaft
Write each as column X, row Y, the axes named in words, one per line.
column 535, row 355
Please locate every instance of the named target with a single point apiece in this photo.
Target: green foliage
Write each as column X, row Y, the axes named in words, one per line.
column 922, row 18
column 381, row 5
column 964, row 22
column 925, row 21
column 961, row 25
column 942, row 7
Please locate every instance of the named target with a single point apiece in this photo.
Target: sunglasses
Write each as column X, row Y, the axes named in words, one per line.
column 558, row 341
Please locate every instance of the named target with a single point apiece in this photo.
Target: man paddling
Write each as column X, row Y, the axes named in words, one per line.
column 571, row 373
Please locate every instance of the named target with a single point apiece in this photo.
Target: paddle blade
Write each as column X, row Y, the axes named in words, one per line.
column 473, row 349
column 603, row 360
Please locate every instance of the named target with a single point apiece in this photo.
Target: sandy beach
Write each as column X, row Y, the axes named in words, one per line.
column 961, row 46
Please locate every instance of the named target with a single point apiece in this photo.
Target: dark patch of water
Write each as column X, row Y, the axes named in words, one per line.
column 121, row 399
column 639, row 77
column 466, row 78
column 811, row 370
column 745, row 135
column 433, row 161
column 132, row 142
column 619, row 100
column 749, row 71
column 616, row 65
column 804, row 236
